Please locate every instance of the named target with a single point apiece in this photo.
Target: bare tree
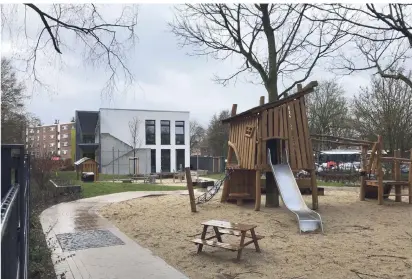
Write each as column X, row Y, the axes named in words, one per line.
column 135, row 141
column 327, row 109
column 385, row 108
column 197, row 134
column 277, row 41
column 104, row 38
column 382, row 37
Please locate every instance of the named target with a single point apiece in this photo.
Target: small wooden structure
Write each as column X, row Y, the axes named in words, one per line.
column 87, row 165
column 280, row 126
column 374, row 165
column 223, row 227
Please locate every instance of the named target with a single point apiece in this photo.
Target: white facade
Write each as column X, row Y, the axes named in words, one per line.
column 116, row 123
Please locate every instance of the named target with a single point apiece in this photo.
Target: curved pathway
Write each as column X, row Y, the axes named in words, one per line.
column 85, row 245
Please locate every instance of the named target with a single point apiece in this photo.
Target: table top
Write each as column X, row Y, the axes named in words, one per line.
column 229, row 225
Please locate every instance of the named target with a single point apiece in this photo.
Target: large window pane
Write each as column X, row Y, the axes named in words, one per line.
column 165, row 160
column 165, row 132
column 153, row 161
column 150, row 132
column 180, row 132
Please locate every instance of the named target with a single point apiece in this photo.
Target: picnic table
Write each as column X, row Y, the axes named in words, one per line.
column 223, row 227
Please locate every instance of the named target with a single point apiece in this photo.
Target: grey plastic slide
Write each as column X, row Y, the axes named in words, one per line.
column 308, row 219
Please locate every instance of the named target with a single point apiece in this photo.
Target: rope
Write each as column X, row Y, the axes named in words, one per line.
column 214, row 189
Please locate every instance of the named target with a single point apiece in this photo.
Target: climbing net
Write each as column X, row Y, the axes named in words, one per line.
column 210, row 193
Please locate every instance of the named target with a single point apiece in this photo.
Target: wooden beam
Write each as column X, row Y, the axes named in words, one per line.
column 262, row 100
column 379, row 170
column 258, row 190
column 396, row 159
column 372, row 157
column 340, row 142
column 307, row 89
column 397, row 175
column 190, row 189
column 344, row 139
column 410, row 180
column 363, row 178
column 225, row 191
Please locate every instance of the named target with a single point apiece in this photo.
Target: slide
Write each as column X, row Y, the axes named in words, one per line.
column 308, row 219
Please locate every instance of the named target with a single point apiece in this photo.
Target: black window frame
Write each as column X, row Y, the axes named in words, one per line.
column 150, row 123
column 153, row 161
column 180, row 138
column 183, row 151
column 164, row 136
column 164, row 166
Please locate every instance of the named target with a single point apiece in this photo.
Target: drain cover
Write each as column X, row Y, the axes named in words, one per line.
column 88, row 239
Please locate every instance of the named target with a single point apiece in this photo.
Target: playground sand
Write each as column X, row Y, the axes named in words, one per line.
column 361, row 240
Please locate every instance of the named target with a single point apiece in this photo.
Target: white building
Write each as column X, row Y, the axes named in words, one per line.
column 162, row 140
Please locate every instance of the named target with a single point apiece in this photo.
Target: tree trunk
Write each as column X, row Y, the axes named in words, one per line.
column 272, row 89
column 134, row 161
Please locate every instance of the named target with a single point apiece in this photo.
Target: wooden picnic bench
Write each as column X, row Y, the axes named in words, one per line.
column 223, row 227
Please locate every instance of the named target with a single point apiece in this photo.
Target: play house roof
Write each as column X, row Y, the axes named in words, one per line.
column 307, row 89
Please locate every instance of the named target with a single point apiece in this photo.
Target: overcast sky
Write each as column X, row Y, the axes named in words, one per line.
column 166, row 77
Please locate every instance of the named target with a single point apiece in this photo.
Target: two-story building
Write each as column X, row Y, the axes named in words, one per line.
column 126, row 141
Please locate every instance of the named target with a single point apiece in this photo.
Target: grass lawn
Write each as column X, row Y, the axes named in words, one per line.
column 93, row 189
column 71, row 175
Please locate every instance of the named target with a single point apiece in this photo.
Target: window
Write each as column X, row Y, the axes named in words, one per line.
column 150, row 132
column 52, row 136
column 64, row 127
column 44, row 137
column 180, row 132
column 65, row 136
column 38, row 137
column 51, row 129
column 44, row 146
column 65, row 143
column 31, row 131
column 44, row 129
column 153, row 161
column 64, row 152
column 165, row 132
column 165, row 160
column 180, row 159
column 52, row 144
column 38, row 130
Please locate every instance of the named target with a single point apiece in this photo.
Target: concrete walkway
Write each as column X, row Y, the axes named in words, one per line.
column 86, row 246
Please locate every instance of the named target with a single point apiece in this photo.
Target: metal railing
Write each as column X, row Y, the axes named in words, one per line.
column 15, row 205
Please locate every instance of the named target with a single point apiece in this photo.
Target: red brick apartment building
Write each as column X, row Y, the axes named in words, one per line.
column 52, row 139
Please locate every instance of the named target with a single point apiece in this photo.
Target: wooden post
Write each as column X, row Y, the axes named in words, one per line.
column 363, row 177
column 190, row 189
column 225, row 191
column 259, row 155
column 397, row 176
column 315, row 197
column 379, row 170
column 410, row 179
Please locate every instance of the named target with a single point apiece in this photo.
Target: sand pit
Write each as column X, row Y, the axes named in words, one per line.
column 361, row 240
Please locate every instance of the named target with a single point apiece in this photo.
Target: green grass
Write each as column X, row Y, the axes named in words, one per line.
column 73, row 176
column 93, row 189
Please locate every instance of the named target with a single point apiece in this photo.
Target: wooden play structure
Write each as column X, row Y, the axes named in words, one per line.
column 374, row 165
column 87, row 165
column 280, row 126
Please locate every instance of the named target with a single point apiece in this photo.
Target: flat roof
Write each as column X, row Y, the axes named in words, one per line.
column 145, row 110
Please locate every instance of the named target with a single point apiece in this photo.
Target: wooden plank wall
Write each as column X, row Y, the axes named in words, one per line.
column 243, row 181
column 245, row 145
column 289, row 122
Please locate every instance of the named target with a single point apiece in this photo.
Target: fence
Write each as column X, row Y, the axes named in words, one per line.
column 120, row 162
column 15, row 181
column 211, row 164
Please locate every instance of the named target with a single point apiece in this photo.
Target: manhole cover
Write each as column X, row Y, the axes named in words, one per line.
column 88, row 239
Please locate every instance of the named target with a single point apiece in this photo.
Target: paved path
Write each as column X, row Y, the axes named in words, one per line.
column 99, row 249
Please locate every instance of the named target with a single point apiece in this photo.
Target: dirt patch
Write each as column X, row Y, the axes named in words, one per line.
column 361, row 240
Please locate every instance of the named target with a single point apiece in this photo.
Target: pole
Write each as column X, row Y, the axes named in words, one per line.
column 190, row 189
column 113, row 162
column 197, row 167
column 118, row 162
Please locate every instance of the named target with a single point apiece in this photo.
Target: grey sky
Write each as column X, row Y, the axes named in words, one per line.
column 167, row 78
